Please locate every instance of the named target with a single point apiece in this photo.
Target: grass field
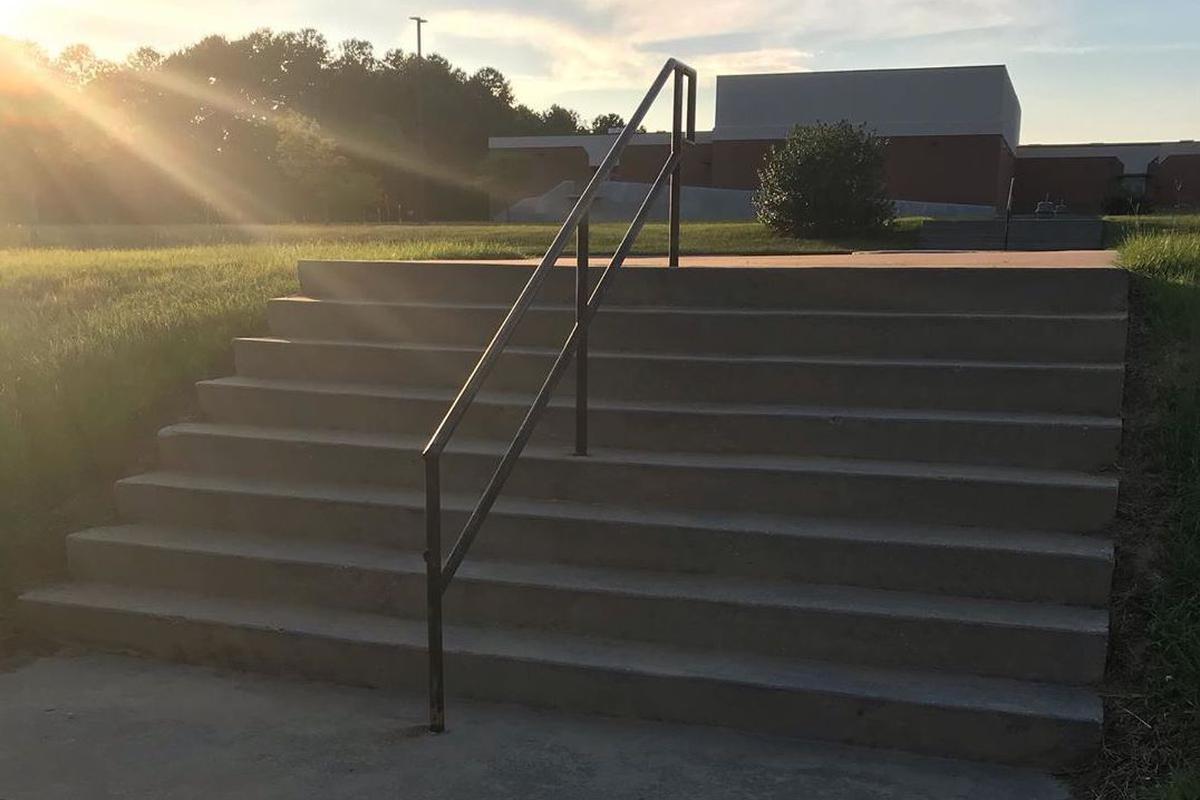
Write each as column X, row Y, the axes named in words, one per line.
column 464, row 240
column 1153, row 715
column 488, row 240
column 1119, row 228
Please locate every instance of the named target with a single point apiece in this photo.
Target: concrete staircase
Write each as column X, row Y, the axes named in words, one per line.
column 1025, row 233
column 860, row 505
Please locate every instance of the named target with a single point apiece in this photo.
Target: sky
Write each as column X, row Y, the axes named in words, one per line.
column 1085, row 70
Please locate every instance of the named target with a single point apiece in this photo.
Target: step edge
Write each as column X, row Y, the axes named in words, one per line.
column 1089, row 621
column 1086, row 367
column 616, row 458
column 523, row 401
column 1100, row 548
column 732, row 311
column 469, row 641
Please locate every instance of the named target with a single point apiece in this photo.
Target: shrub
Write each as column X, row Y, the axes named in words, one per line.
column 825, row 179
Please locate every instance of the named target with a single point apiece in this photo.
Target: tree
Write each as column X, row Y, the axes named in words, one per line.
column 501, row 175
column 144, row 59
column 80, row 66
column 559, row 121
column 606, row 122
column 491, row 83
column 356, row 54
column 825, row 179
column 390, row 131
column 27, row 130
column 323, row 176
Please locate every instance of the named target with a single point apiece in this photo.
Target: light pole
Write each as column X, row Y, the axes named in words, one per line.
column 421, row 211
column 419, row 22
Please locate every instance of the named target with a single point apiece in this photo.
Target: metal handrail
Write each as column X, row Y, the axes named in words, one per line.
column 438, row 574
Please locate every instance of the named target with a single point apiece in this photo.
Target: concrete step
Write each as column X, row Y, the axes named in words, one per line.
column 851, row 504
column 1060, row 644
column 1005, row 439
column 1077, row 389
column 723, row 330
column 1018, row 565
column 956, row 494
column 1031, row 290
column 980, row 718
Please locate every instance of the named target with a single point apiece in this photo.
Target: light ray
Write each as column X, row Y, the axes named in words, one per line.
column 231, row 201
column 232, row 102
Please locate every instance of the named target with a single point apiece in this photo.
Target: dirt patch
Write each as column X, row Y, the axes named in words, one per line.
column 1145, row 739
column 1121, row 767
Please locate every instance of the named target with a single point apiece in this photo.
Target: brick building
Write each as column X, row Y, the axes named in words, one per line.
column 953, row 147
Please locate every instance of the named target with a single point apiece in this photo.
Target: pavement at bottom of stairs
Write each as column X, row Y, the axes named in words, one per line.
column 84, row 725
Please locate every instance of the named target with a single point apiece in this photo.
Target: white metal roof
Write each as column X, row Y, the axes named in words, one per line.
column 893, row 102
column 1135, row 156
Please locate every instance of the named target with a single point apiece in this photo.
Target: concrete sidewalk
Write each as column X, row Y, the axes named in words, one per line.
column 94, row 726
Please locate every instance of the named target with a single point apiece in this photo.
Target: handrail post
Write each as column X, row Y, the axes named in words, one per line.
column 581, row 351
column 433, row 593
column 676, row 146
column 691, row 103
column 1008, row 210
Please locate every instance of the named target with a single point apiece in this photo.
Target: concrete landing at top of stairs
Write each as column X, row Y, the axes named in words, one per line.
column 871, row 258
column 105, row 726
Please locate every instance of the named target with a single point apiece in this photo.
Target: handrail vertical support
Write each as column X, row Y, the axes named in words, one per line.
column 675, row 189
column 691, row 105
column 1008, row 210
column 433, row 592
column 581, row 352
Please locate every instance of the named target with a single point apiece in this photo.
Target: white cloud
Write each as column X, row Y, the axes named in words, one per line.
column 589, row 61
column 619, row 44
column 639, row 21
column 575, row 56
column 116, row 28
column 776, row 59
column 1091, row 49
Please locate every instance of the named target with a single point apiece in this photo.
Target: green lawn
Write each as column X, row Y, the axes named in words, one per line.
column 90, row 342
column 1151, row 743
column 461, row 240
column 1119, row 228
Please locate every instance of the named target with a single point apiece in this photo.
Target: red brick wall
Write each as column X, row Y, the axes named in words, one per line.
column 641, row 164
column 1176, row 181
column 935, row 169
column 1082, row 183
column 735, row 164
column 948, row 169
column 542, row 168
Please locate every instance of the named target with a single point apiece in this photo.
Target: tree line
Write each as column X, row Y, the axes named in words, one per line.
column 271, row 127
